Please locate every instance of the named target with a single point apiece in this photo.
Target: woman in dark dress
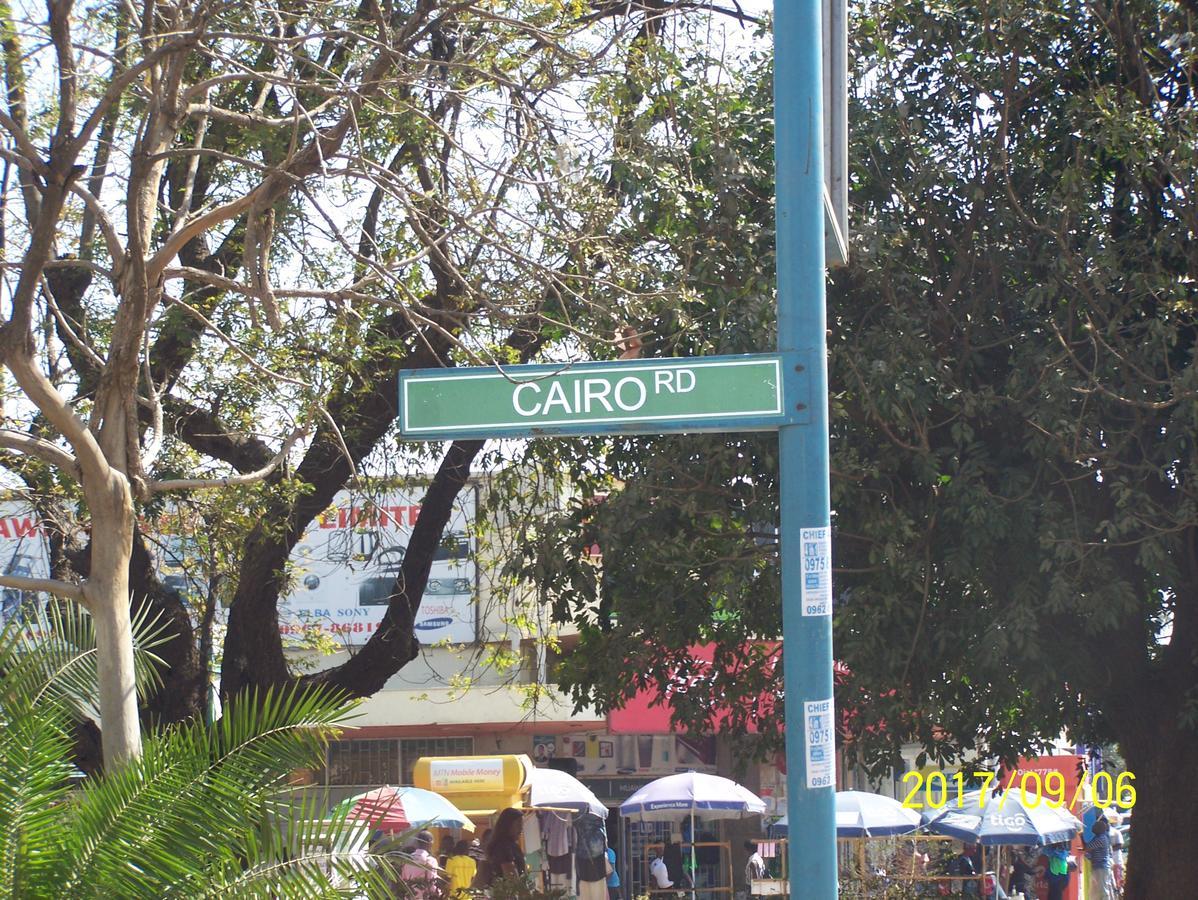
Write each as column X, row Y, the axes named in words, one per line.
column 505, row 859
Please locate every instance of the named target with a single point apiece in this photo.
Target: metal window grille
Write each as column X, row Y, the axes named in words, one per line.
column 411, row 749
column 364, row 762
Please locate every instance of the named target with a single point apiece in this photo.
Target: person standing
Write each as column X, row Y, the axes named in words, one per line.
column 754, row 865
column 965, row 870
column 1023, row 875
column 1117, row 862
column 1058, row 875
column 420, row 871
column 613, row 877
column 1098, row 852
column 505, row 859
column 461, row 868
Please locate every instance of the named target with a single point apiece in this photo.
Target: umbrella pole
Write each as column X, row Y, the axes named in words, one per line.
column 694, row 868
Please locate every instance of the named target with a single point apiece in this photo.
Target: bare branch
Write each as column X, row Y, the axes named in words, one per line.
column 64, row 589
column 43, row 450
column 54, row 406
column 233, row 345
column 192, row 484
column 99, row 215
column 28, row 150
column 66, row 328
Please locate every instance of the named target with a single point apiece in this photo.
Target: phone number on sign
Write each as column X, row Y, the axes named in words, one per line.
column 940, row 790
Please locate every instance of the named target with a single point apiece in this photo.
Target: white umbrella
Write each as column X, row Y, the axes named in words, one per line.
column 863, row 814
column 675, row 798
column 553, row 787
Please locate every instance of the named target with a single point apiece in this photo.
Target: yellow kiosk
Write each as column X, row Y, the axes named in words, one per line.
column 479, row 786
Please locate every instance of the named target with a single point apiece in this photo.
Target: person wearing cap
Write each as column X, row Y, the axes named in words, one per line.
column 1098, row 852
column 420, row 870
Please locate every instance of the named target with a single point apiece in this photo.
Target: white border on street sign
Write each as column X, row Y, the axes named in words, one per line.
column 775, row 409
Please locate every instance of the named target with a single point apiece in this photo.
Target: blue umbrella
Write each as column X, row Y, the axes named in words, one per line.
column 1005, row 818
column 862, row 814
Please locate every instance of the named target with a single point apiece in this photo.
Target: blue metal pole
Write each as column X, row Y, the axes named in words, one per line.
column 803, row 453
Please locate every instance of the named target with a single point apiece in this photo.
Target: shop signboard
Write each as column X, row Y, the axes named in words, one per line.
column 466, row 774
column 23, row 552
column 345, row 567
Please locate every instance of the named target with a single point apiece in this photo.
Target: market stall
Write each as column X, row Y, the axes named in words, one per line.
column 686, row 796
column 564, row 838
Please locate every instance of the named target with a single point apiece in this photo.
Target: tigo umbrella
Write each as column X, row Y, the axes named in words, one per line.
column 402, row 809
column 1005, row 818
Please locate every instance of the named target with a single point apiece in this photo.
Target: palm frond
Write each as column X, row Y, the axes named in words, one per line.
column 195, row 788
column 53, row 656
column 206, row 811
column 35, row 775
column 307, row 852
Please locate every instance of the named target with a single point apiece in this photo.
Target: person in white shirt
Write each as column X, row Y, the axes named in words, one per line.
column 754, row 866
column 659, row 873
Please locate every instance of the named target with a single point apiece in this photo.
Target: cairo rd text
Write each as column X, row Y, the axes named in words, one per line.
column 593, row 395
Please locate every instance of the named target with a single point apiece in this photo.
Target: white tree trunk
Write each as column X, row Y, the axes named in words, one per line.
column 107, row 590
column 120, row 729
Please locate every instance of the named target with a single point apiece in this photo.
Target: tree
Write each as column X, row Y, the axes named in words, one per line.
column 236, row 225
column 203, row 812
column 1013, row 406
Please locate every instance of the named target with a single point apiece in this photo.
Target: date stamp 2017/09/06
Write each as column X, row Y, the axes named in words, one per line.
column 936, row 790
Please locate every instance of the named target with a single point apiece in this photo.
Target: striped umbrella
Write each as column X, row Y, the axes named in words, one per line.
column 403, row 809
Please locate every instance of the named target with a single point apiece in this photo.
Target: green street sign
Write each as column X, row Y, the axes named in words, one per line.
column 652, row 396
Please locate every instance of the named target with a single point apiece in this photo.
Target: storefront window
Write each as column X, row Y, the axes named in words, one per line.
column 370, row 762
column 414, row 748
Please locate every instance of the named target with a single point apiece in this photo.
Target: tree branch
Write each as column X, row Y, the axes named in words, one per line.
column 201, row 430
column 190, row 484
column 64, row 589
column 43, row 450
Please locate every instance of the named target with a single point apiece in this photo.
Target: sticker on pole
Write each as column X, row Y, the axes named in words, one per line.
column 821, row 748
column 817, row 572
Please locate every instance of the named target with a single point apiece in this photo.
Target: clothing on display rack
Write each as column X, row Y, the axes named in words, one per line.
column 557, row 834
column 590, row 852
